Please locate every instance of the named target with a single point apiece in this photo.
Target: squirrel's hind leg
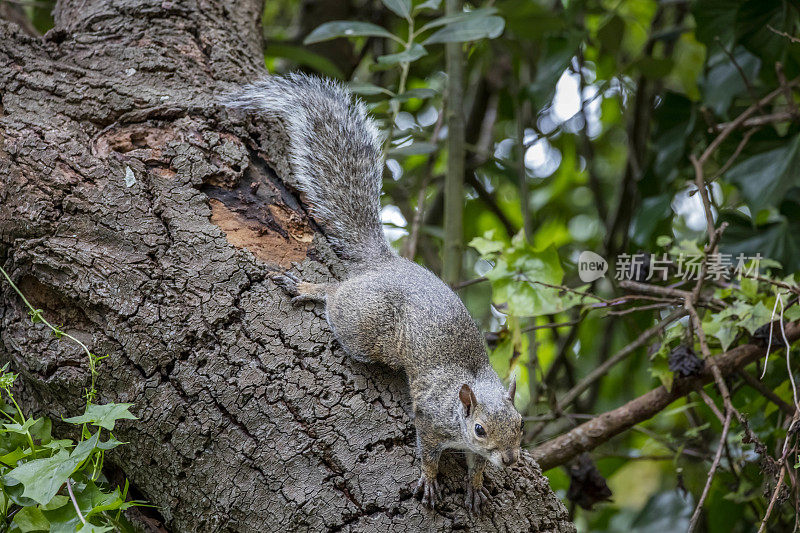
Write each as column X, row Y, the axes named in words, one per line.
column 301, row 291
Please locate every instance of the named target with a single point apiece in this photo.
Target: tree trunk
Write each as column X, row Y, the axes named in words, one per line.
column 146, row 218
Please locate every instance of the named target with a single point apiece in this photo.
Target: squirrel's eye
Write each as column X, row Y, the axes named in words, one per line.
column 479, row 431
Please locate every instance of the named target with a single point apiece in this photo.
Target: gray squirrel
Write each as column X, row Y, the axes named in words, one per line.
column 388, row 309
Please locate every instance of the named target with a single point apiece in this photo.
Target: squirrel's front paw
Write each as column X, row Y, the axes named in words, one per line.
column 287, row 281
column 428, row 489
column 476, row 497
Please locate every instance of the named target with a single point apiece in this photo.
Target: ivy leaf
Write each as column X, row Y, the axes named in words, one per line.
column 42, row 478
column 88, row 527
column 723, row 82
column 30, row 519
column 468, row 28
column 487, row 246
column 104, row 416
column 407, row 56
column 518, row 277
column 63, row 519
column 660, row 370
column 21, row 429
column 766, row 177
column 346, row 28
column 94, row 501
column 723, row 329
column 401, row 8
column 752, row 316
column 11, row 458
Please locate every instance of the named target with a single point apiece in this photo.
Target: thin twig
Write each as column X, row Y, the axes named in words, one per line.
column 782, row 464
column 74, row 501
column 735, row 155
column 754, row 383
column 641, row 308
column 787, row 92
column 551, row 326
column 761, row 120
column 696, row 515
column 783, row 34
column 461, row 284
column 602, row 369
column 729, row 127
column 711, row 405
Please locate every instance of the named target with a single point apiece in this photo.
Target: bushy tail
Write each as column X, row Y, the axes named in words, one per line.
column 335, row 151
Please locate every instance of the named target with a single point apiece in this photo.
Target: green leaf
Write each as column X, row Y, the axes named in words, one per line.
column 21, row 429
column 660, row 370
column 42, row 478
column 407, row 56
column 487, row 246
column 776, row 240
column 749, row 288
column 653, row 68
column 752, row 316
column 416, row 148
column 517, row 279
column 554, row 60
column 104, row 416
column 765, row 178
column 367, row 89
column 63, row 519
column 646, row 220
column 723, row 329
column 88, row 527
column 304, row 57
column 468, row 29
column 30, row 519
column 715, row 20
column 11, row 458
column 428, row 4
column 346, row 28
column 421, row 93
column 458, row 17
column 723, row 81
column 401, row 8
column 611, row 34
column 57, row 502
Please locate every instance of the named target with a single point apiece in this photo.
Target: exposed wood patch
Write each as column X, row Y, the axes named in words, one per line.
column 253, row 215
column 268, row 246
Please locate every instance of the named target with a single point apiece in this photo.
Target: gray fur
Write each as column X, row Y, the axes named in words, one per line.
column 335, row 150
column 390, row 310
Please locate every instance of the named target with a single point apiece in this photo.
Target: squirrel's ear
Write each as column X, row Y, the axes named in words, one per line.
column 467, row 398
column 512, row 389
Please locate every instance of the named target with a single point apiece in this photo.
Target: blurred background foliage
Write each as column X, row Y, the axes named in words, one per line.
column 580, row 121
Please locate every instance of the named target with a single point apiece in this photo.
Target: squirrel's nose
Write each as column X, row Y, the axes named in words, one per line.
column 509, row 458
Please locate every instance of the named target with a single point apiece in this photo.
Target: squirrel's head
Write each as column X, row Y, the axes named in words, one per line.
column 491, row 425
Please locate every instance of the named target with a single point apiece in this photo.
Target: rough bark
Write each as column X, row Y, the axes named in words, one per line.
column 146, row 218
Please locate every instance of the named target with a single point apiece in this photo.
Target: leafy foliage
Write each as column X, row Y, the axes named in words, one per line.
column 57, row 485
column 583, row 121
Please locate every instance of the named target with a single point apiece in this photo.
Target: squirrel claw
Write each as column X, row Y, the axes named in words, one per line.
column 429, row 490
column 287, row 281
column 476, row 497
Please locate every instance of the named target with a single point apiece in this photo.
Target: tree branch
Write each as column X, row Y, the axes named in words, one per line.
column 591, row 434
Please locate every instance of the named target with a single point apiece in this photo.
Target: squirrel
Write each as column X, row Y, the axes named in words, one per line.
column 388, row 309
